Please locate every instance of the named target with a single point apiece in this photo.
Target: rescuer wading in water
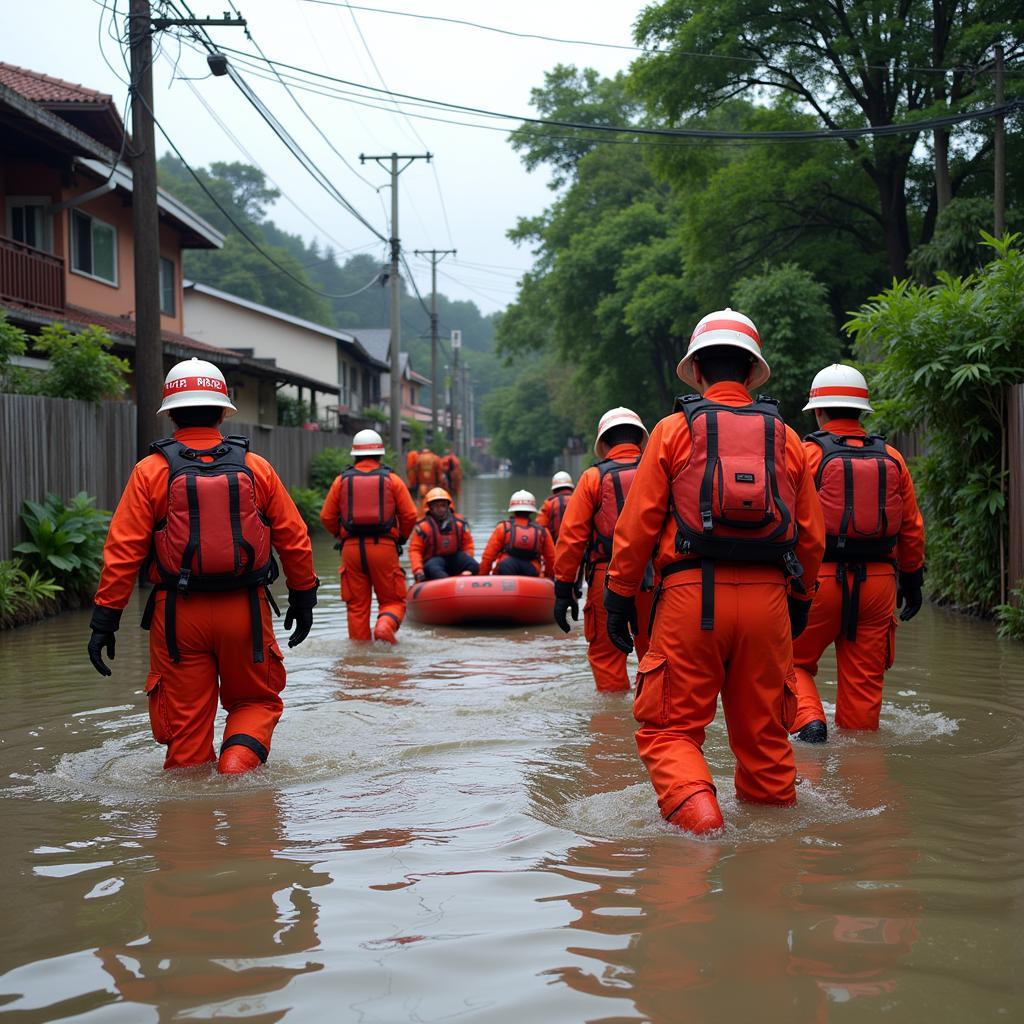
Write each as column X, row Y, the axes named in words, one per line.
column 552, row 512
column 725, row 504
column 202, row 513
column 874, row 557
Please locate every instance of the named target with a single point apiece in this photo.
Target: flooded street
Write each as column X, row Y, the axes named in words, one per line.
column 459, row 828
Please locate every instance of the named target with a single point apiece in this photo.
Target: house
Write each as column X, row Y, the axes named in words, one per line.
column 377, row 341
column 344, row 378
column 66, row 245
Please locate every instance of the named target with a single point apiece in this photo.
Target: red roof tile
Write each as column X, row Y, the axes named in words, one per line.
column 40, row 88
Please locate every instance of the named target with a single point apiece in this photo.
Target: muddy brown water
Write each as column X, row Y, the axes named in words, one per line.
column 458, row 829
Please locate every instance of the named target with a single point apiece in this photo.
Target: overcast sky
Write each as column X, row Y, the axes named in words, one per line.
column 483, row 184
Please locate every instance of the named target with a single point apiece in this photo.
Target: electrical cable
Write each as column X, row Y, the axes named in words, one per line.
column 793, row 135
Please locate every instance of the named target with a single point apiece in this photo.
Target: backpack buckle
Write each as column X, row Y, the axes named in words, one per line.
column 707, row 521
column 183, row 580
column 792, row 564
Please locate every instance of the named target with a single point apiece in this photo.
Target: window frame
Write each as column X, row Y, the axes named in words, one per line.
column 10, row 202
column 72, row 248
column 173, row 311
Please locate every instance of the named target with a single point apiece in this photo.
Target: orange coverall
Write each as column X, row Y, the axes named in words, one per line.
column 412, row 459
column 861, row 662
column 607, row 662
column 746, row 657
column 428, row 472
column 370, row 564
column 494, row 553
column 547, row 515
column 452, row 470
column 422, row 546
column 214, row 630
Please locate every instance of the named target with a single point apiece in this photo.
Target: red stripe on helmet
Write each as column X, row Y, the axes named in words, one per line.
column 726, row 325
column 839, row 389
column 179, row 384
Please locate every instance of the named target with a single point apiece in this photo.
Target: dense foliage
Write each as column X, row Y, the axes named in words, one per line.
column 25, row 596
column 942, row 357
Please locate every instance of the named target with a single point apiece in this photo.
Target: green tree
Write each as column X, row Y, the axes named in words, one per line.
column 862, row 63
column 81, row 364
column 12, row 343
column 797, row 332
column 943, row 356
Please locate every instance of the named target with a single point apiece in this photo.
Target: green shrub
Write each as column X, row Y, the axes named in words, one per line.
column 24, row 596
column 12, row 343
column 80, row 364
column 309, row 501
column 291, row 412
column 66, row 541
column 1011, row 616
column 325, row 466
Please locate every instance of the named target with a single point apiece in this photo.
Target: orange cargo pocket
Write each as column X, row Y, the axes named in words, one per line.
column 401, row 588
column 651, row 701
column 589, row 623
column 346, row 589
column 276, row 674
column 890, row 643
column 158, row 720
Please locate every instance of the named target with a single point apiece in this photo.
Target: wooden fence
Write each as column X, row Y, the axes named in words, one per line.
column 61, row 446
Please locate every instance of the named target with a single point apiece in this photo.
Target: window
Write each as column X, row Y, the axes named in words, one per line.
column 167, row 289
column 93, row 247
column 28, row 222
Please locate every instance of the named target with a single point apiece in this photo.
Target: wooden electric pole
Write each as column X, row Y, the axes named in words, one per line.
column 396, row 292
column 999, row 151
column 435, row 256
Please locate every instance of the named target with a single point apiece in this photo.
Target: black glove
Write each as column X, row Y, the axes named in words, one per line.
column 621, row 619
column 798, row 612
column 420, row 576
column 565, row 602
column 300, row 613
column 104, row 624
column 908, row 593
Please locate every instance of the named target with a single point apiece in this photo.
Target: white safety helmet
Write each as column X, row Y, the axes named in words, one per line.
column 725, row 327
column 561, row 479
column 195, row 382
column 839, row 387
column 367, row 442
column 522, row 501
column 615, row 418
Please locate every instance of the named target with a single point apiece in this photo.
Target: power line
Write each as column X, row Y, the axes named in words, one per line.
column 792, row 135
column 621, row 46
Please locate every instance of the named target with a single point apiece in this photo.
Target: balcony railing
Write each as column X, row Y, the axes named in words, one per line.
column 29, row 276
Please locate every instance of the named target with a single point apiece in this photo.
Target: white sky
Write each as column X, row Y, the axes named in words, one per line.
column 485, row 187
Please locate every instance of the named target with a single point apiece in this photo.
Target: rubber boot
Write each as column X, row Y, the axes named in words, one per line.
column 385, row 630
column 237, row 760
column 699, row 814
column 813, row 732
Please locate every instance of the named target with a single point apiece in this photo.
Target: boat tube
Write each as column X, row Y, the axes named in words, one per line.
column 459, row 600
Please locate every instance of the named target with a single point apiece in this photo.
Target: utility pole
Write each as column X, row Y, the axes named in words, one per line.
column 467, row 440
column 454, row 391
column 999, row 147
column 396, row 294
column 149, row 352
column 149, row 356
column 435, row 255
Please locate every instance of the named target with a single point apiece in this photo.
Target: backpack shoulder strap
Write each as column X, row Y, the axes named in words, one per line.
column 172, row 451
column 768, row 406
column 690, row 405
column 237, row 441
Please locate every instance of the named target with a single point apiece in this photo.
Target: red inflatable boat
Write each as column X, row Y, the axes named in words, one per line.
column 522, row 600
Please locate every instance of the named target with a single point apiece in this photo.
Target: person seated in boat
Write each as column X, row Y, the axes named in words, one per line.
column 519, row 546
column 441, row 544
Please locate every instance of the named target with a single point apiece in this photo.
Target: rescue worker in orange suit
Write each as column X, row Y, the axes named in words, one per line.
column 552, row 512
column 412, row 476
column 369, row 510
column 725, row 504
column 585, row 541
column 441, row 544
column 202, row 514
column 451, row 474
column 874, row 557
column 428, row 472
column 518, row 546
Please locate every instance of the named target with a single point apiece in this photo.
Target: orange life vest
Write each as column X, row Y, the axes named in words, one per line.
column 559, row 500
column 523, row 540
column 428, row 469
column 859, row 488
column 615, row 480
column 366, row 503
column 444, row 540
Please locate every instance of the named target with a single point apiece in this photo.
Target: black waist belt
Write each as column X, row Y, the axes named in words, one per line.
column 855, row 573
column 707, row 597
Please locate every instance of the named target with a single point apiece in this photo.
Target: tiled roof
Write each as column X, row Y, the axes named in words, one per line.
column 40, row 88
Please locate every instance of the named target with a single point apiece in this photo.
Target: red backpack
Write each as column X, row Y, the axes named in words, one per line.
column 556, row 514
column 214, row 537
column 616, row 479
column 523, row 540
column 366, row 503
column 859, row 489
column 733, row 501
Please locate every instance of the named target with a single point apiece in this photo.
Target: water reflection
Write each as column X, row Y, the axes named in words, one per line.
column 224, row 913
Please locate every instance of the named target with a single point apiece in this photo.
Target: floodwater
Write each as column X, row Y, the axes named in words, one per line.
column 458, row 829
